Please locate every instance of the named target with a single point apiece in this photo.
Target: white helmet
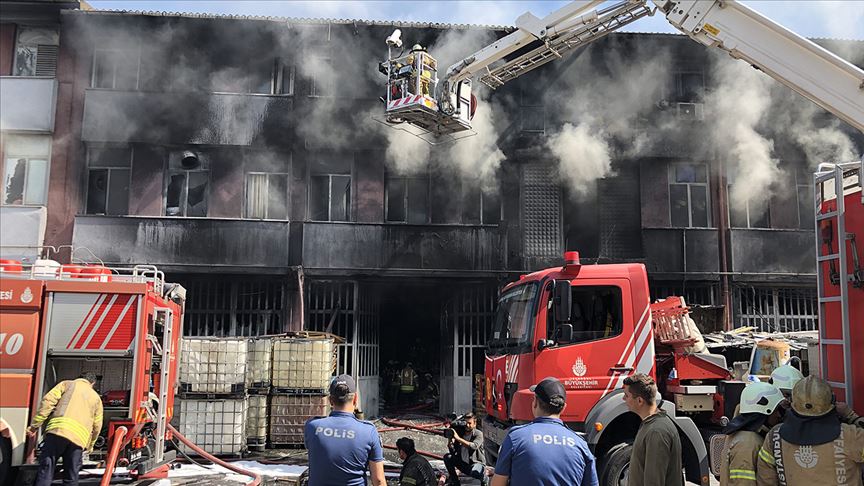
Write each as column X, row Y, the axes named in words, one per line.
column 784, row 377
column 761, row 398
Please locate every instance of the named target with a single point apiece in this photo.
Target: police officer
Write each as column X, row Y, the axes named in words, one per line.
column 760, row 410
column 545, row 452
column 341, row 447
column 811, row 447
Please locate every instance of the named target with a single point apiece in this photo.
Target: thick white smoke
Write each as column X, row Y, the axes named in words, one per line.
column 737, row 105
column 583, row 154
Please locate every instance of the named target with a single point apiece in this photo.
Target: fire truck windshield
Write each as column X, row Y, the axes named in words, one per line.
column 515, row 317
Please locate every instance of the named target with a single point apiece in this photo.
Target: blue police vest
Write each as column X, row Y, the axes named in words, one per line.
column 546, row 453
column 340, row 447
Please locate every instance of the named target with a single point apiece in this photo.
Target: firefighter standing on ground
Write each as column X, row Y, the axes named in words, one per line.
column 811, row 446
column 73, row 411
column 760, row 410
column 656, row 456
column 407, row 383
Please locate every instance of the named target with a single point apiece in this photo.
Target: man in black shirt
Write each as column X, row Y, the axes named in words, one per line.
column 416, row 470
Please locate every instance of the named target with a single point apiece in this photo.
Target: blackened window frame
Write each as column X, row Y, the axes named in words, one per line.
column 112, row 171
column 119, row 50
column 184, row 196
column 267, row 209
column 405, row 180
column 672, row 181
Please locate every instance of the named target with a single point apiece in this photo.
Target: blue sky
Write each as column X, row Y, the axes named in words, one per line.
column 837, row 19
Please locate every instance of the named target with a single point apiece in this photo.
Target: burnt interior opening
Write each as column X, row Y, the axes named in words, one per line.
column 411, row 331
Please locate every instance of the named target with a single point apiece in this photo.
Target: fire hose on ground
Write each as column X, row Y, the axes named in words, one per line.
column 118, row 442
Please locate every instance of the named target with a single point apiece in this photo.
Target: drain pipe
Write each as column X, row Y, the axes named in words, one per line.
column 256, row 479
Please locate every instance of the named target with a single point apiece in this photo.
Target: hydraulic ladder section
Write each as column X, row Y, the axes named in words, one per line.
column 834, row 280
column 558, row 40
column 167, row 319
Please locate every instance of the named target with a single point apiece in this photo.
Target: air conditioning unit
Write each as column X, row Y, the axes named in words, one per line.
column 691, row 111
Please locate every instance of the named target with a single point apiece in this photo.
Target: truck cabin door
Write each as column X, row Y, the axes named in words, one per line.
column 608, row 342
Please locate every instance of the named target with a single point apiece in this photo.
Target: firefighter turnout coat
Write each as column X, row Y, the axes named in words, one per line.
column 837, row 462
column 73, row 410
column 738, row 466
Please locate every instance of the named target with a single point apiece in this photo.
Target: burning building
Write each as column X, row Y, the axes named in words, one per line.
column 244, row 157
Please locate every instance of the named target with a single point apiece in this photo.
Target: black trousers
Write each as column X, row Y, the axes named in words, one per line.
column 454, row 462
column 54, row 446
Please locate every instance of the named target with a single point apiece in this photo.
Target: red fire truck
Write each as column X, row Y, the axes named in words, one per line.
column 591, row 326
column 58, row 321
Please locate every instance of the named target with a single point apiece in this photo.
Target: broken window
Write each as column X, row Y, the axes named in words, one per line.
column 266, row 195
column 108, row 180
column 479, row 206
column 688, row 195
column 115, row 68
column 330, row 187
column 25, row 181
column 408, row 199
column 596, row 313
column 689, row 86
column 36, row 51
column 187, row 193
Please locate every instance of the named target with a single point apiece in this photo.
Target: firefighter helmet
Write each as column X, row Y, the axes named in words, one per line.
column 784, row 377
column 812, row 397
column 761, row 398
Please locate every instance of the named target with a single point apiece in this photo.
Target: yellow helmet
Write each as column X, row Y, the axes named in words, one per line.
column 784, row 377
column 812, row 397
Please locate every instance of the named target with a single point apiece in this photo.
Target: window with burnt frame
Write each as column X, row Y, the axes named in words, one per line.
column 408, row 199
column 36, row 50
column 752, row 211
column 689, row 86
column 688, row 195
column 264, row 76
column 187, row 192
column 330, row 186
column 322, row 82
column 116, row 68
column 108, row 175
column 480, row 206
column 266, row 196
column 25, row 181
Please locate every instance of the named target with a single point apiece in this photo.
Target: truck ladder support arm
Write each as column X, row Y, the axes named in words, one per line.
column 817, row 74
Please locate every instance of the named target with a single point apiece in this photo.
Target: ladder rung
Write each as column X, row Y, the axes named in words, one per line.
column 825, row 258
column 824, row 216
column 835, row 298
column 838, row 342
column 837, row 384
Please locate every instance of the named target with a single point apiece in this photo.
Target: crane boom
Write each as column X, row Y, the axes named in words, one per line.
column 810, row 70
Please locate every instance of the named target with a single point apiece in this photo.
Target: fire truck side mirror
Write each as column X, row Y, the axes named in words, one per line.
column 565, row 333
column 562, row 301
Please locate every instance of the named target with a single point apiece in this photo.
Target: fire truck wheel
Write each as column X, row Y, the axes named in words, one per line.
column 5, row 461
column 616, row 466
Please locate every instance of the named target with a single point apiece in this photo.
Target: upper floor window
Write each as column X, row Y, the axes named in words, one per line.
column 322, row 81
column 266, row 195
column 750, row 211
column 689, row 86
column 25, row 181
column 806, row 211
column 108, row 175
column 480, row 207
column 330, row 187
column 531, row 110
column 188, row 185
column 408, row 199
column 116, row 68
column 688, row 195
column 36, row 50
column 264, row 76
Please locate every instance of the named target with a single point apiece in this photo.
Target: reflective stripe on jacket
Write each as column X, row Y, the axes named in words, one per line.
column 73, row 410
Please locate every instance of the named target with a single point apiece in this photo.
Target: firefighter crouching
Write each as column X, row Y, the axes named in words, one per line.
column 72, row 414
column 811, row 447
column 760, row 410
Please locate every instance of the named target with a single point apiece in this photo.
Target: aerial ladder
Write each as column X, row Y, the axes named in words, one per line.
column 446, row 106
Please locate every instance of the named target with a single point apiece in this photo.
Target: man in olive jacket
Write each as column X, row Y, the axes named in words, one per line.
column 656, row 456
column 72, row 414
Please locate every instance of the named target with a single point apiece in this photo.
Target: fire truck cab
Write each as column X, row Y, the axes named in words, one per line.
column 59, row 321
column 591, row 327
